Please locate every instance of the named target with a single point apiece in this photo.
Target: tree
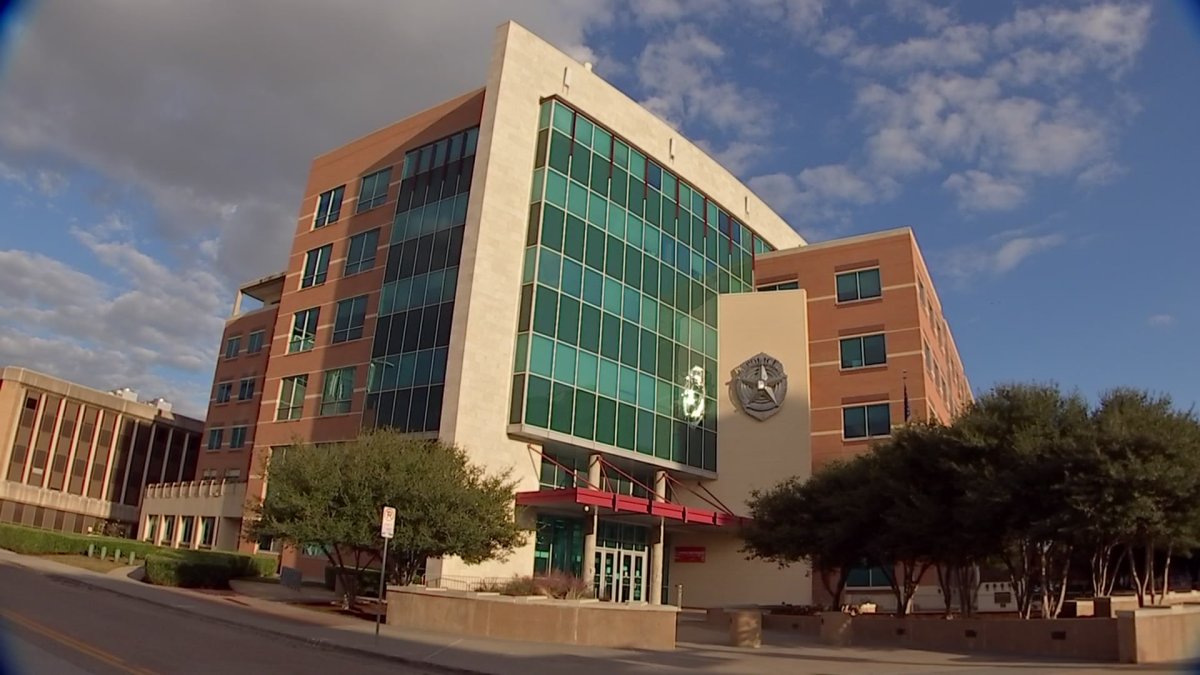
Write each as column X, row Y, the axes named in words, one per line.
column 331, row 498
column 1149, row 489
column 1031, row 437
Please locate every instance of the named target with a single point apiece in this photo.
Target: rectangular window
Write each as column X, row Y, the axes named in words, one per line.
column 865, row 350
column 858, row 285
column 867, row 421
column 208, row 531
column 254, row 343
column 168, row 533
column 361, row 256
column 374, row 189
column 246, row 389
column 224, row 391
column 232, row 346
column 337, row 391
column 316, row 266
column 291, row 397
column 867, row 577
column 784, row 286
column 304, row 330
column 329, row 206
column 233, row 474
column 186, row 526
column 215, row 438
column 151, row 527
column 237, row 437
column 209, row 474
column 351, row 314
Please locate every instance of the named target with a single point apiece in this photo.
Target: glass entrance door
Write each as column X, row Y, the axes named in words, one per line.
column 620, row 575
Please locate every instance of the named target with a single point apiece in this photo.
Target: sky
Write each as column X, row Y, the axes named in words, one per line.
column 153, row 156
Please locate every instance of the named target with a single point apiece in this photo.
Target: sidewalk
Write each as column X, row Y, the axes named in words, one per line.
column 696, row 652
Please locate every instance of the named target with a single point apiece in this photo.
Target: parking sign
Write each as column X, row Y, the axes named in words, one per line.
column 388, row 530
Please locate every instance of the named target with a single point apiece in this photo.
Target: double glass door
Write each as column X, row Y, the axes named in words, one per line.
column 620, row 575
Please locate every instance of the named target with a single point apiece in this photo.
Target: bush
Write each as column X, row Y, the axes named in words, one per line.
column 34, row 541
column 204, row 569
column 559, row 585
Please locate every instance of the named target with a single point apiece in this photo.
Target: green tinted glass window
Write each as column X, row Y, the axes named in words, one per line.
column 537, row 410
column 545, row 311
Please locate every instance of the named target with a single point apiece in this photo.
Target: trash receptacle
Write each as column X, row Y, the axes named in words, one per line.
column 745, row 628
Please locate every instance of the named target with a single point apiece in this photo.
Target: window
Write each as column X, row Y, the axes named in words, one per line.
column 304, row 330
column 867, row 577
column 867, row 421
column 233, row 474
column 237, row 437
column 348, row 325
column 187, row 525
column 215, row 438
column 361, row 256
column 208, row 531
column 329, row 206
column 291, row 397
column 254, row 343
column 785, row 286
column 374, row 189
column 858, row 285
column 224, row 390
column 232, row 346
column 866, row 350
column 168, row 530
column 246, row 389
column 151, row 527
column 316, row 266
column 209, row 474
column 335, row 395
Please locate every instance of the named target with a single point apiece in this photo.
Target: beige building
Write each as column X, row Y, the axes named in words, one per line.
column 546, row 274
column 76, row 459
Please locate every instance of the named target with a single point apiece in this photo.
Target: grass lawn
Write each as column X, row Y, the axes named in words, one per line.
column 93, row 564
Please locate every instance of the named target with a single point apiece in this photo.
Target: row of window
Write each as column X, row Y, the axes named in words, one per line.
column 360, row 257
column 373, row 188
column 337, row 390
column 255, row 342
column 245, row 390
column 349, row 319
column 187, row 528
column 237, row 437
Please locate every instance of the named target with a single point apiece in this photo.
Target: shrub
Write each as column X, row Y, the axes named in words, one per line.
column 204, row 569
column 559, row 585
column 34, row 541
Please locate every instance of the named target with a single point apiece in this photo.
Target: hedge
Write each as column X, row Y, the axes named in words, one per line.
column 204, row 569
column 34, row 541
column 164, row 566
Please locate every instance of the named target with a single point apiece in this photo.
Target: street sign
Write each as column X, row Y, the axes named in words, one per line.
column 388, row 530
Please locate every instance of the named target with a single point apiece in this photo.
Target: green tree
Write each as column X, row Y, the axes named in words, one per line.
column 1146, row 492
column 1031, row 438
column 331, row 498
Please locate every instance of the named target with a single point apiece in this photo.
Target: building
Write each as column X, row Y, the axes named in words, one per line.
column 76, row 459
column 546, row 274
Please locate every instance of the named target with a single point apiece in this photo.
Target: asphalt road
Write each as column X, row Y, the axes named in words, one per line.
column 50, row 626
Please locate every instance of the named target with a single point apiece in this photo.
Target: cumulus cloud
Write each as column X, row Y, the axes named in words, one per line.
column 997, row 255
column 981, row 191
column 821, row 195
column 1161, row 320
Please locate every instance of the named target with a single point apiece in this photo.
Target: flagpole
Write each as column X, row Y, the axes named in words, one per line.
column 907, row 410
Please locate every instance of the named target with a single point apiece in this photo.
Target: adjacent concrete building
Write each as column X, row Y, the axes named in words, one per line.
column 546, row 274
column 76, row 459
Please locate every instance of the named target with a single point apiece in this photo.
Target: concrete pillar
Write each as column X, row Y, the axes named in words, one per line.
column 656, row 543
column 237, row 307
column 591, row 523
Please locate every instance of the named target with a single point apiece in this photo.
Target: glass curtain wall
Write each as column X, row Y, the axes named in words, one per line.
column 617, row 335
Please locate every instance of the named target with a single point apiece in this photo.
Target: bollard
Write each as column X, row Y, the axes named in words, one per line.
column 103, row 552
column 131, row 557
column 117, row 555
column 679, row 596
column 91, row 550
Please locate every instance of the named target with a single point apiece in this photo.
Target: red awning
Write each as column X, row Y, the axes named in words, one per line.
column 626, row 504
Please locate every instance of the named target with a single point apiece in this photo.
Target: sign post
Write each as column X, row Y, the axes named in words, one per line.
column 387, row 530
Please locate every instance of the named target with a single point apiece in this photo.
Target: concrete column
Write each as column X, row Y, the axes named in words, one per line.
column 656, row 543
column 237, row 308
column 591, row 523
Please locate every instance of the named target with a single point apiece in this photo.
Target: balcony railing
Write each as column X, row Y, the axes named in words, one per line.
column 197, row 488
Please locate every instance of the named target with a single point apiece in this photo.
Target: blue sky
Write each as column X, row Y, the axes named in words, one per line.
column 153, row 157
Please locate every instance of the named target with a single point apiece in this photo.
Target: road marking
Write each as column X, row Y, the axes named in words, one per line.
column 82, row 647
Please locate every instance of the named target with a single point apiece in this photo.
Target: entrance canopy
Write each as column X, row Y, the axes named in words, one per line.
column 618, row 504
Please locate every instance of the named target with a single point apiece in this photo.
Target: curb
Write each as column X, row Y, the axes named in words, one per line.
column 311, row 642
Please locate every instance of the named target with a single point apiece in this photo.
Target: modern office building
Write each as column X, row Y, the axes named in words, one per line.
column 76, row 459
column 546, row 274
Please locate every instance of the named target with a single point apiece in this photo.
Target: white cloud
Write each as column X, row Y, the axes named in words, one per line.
column 981, row 191
column 1161, row 320
column 997, row 255
column 1101, row 173
column 1110, row 34
column 818, row 199
column 953, row 46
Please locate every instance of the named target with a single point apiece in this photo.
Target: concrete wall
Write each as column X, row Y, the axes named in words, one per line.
column 1081, row 639
column 34, row 498
column 752, row 454
column 589, row 623
column 1159, row 634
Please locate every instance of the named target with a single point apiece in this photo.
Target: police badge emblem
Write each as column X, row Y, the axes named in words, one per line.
column 760, row 385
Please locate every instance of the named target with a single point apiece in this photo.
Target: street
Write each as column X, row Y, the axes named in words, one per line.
column 52, row 626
